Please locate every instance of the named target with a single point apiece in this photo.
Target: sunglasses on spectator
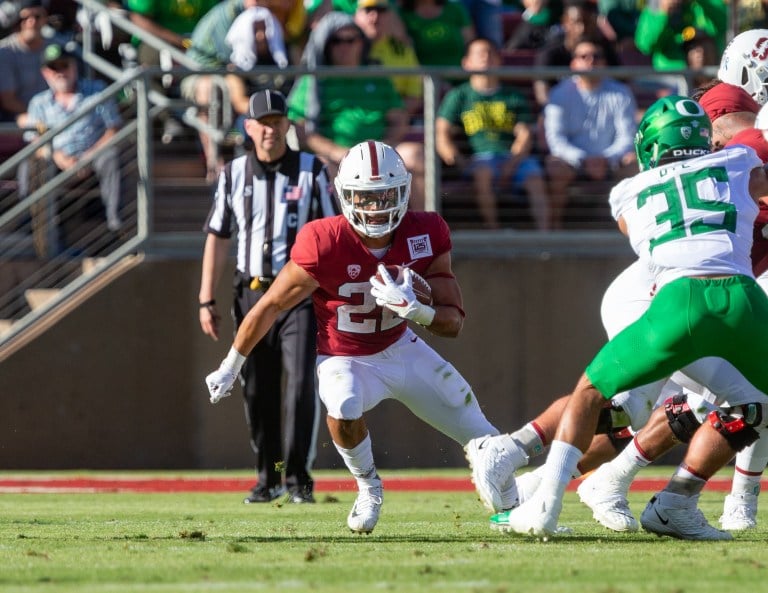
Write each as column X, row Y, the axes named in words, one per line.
column 344, row 40
column 586, row 56
column 59, row 66
column 376, row 9
column 32, row 16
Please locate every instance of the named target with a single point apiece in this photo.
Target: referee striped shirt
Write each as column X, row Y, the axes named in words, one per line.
column 267, row 213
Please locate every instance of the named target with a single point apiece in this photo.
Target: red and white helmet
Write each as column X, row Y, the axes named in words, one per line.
column 745, row 63
column 373, row 186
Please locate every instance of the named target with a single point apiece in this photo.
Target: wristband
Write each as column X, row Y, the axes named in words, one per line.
column 424, row 315
column 234, row 360
column 210, row 303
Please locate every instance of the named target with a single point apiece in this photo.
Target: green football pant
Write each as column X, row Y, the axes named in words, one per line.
column 689, row 319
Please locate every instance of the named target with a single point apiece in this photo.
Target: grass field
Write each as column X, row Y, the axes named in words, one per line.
column 425, row 541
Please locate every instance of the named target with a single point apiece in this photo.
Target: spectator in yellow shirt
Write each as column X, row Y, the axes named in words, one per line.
column 391, row 46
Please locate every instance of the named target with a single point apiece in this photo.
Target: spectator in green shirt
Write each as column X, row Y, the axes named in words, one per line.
column 497, row 122
column 665, row 25
column 173, row 21
column 440, row 29
column 333, row 114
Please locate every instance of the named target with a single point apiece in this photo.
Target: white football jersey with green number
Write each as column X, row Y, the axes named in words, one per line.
column 692, row 217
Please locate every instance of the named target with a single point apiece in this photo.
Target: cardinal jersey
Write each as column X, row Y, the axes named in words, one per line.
column 692, row 217
column 760, row 242
column 348, row 319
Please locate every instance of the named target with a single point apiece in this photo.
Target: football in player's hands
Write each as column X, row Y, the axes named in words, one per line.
column 421, row 287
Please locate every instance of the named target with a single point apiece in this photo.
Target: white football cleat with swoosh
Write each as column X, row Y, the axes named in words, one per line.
column 677, row 515
column 537, row 517
column 494, row 461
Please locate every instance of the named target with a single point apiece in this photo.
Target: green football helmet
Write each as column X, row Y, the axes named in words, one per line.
column 674, row 128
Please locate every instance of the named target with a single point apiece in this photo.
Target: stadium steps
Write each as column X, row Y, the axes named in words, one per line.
column 89, row 264
column 37, row 297
column 123, row 266
column 182, row 197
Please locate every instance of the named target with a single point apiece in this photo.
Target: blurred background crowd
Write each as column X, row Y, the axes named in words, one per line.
column 534, row 142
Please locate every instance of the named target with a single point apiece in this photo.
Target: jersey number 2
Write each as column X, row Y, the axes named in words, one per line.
column 363, row 318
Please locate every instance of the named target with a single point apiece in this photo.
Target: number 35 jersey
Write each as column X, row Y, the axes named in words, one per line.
column 349, row 323
column 691, row 217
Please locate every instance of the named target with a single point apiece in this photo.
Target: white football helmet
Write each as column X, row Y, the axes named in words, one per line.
column 745, row 63
column 373, row 186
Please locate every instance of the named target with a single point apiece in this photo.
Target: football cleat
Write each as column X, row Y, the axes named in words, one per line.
column 538, row 517
column 365, row 512
column 493, row 461
column 527, row 484
column 509, row 496
column 261, row 494
column 608, row 501
column 301, row 495
column 679, row 516
column 739, row 512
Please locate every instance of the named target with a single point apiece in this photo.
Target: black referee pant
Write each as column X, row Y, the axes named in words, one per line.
column 290, row 347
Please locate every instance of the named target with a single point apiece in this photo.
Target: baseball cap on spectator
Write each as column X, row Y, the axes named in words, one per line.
column 754, row 138
column 268, row 102
column 725, row 98
column 32, row 4
column 373, row 3
column 55, row 52
column 692, row 36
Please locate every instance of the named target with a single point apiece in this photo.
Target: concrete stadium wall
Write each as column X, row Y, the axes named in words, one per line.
column 118, row 384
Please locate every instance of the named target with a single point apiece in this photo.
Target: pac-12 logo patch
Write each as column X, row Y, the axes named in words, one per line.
column 419, row 246
column 353, row 270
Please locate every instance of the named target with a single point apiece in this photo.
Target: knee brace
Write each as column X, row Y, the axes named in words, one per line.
column 752, row 413
column 682, row 421
column 738, row 430
column 614, row 422
column 611, row 419
column 604, row 420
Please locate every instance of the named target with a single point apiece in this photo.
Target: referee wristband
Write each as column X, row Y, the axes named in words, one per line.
column 210, row 303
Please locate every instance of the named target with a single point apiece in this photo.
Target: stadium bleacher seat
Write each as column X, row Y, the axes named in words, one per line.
column 10, row 144
column 518, row 57
column 509, row 22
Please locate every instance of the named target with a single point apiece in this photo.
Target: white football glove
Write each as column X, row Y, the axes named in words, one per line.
column 221, row 380
column 400, row 298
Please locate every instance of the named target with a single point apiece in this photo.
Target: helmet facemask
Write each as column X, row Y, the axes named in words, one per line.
column 373, row 186
column 375, row 212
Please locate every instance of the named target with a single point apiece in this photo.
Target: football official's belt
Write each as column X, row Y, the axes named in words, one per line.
column 260, row 283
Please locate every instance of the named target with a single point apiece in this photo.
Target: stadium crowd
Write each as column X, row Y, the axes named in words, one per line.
column 564, row 160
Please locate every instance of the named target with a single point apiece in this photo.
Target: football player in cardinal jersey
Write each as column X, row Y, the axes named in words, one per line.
column 366, row 351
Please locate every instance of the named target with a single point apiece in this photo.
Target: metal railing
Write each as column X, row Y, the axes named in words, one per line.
column 218, row 121
column 54, row 238
column 172, row 62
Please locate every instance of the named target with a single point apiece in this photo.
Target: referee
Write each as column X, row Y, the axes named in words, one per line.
column 265, row 196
